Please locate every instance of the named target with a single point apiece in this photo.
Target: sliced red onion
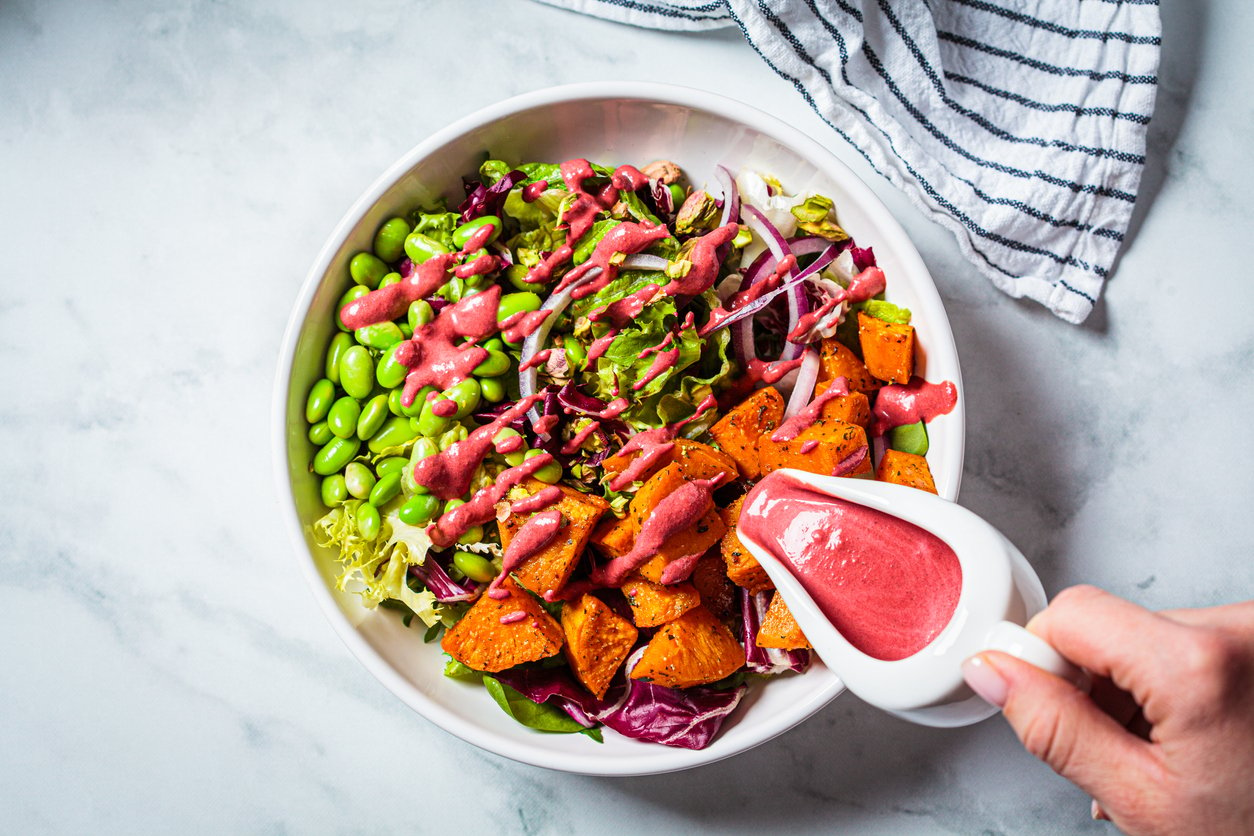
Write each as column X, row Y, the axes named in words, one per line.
column 817, row 266
column 764, row 229
column 644, row 261
column 731, row 196
column 803, row 388
column 555, row 303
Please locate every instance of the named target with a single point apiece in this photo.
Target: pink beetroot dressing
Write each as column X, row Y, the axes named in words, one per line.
column 886, row 585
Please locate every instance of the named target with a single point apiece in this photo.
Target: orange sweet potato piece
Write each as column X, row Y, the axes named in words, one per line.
column 837, row 440
column 905, row 469
column 779, row 629
column 854, row 408
column 694, row 649
column 718, row 594
column 743, row 568
column 550, row 567
column 887, row 348
column 482, row 642
column 653, row 603
column 664, row 482
column 598, row 640
column 701, row 461
column 738, row 431
column 613, row 537
column 837, row 360
column 696, row 540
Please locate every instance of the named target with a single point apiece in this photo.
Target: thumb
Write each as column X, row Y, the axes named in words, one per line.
column 1060, row 724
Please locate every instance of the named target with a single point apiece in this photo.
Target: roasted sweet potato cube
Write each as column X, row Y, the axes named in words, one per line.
column 613, row 537
column 696, row 540
column 483, row 642
column 738, row 431
column 597, row 641
column 819, row 448
column 701, row 461
column 550, row 567
column 905, row 469
column 742, row 568
column 654, row 603
column 709, row 576
column 694, row 649
column 837, row 360
column 887, row 348
column 854, row 408
column 659, row 485
column 779, row 629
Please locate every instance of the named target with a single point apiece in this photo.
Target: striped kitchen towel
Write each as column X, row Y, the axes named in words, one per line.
column 1019, row 125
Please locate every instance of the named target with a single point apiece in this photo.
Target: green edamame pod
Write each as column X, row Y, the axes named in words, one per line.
column 367, row 270
column 909, row 438
column 466, row 231
column 389, row 241
column 422, row 248
column 318, row 404
column 390, row 465
column 351, row 295
column 334, row 455
column 473, row 566
column 333, row 490
column 372, row 416
column 368, row 521
column 320, row 433
column 390, row 278
column 385, row 489
column 339, row 343
column 467, row 395
column 394, row 433
column 496, row 364
column 390, row 372
column 550, row 473
column 430, row 424
column 419, row 510
column 492, row 389
column 420, row 313
column 357, row 371
column 342, row 419
column 380, row 336
column 358, row 480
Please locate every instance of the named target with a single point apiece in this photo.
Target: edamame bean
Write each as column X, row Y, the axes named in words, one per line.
column 492, row 389
column 368, row 521
column 515, row 457
column 389, row 241
column 372, row 416
column 320, row 433
column 496, row 364
column 514, row 303
column 339, row 343
column 466, row 231
column 516, row 274
column 406, row 331
column 318, row 404
column 394, row 401
column 394, row 433
column 390, row 372
column 415, row 407
column 385, row 489
column 342, row 419
column 467, row 395
column 576, row 355
column 473, row 566
column 358, row 479
column 550, row 473
column 423, row 448
column 453, row 436
column 334, row 455
column 909, row 438
column 420, row 313
column 357, row 371
column 678, row 195
column 367, row 270
column 390, row 278
column 494, row 344
column 380, row 336
column 422, row 248
column 390, row 465
column 333, row 490
column 419, row 510
column 451, row 505
column 430, row 424
column 351, row 295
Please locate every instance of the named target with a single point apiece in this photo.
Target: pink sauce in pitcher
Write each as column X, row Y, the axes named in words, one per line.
column 886, row 585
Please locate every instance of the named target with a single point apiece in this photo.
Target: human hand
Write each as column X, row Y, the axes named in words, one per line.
column 1165, row 740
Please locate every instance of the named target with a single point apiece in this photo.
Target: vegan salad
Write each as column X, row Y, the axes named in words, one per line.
column 541, row 411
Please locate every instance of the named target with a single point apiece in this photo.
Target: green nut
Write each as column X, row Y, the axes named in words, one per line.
column 420, row 313
column 515, row 303
column 392, row 464
column 430, row 424
column 394, row 401
column 390, row 278
column 467, row 395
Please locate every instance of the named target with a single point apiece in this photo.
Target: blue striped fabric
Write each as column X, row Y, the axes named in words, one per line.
column 1019, row 125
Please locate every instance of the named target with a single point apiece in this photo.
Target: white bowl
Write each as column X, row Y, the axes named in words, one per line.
column 611, row 123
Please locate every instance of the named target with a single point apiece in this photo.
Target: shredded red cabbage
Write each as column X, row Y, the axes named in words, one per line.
column 445, row 589
column 863, row 257
column 487, row 200
column 765, row 660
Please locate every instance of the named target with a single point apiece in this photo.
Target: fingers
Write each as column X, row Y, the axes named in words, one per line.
column 1062, row 726
column 1234, row 617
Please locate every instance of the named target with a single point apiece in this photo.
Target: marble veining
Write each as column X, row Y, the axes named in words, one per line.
column 169, row 171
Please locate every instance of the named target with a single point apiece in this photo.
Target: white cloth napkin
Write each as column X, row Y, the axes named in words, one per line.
column 1019, row 125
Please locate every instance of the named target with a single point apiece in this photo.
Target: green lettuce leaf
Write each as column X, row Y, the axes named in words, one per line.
column 539, row 716
column 886, row 311
column 437, row 224
column 589, row 241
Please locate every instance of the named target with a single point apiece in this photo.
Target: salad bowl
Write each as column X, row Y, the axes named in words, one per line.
column 613, row 123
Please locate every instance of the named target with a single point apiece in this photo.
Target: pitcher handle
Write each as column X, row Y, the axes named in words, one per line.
column 1009, row 637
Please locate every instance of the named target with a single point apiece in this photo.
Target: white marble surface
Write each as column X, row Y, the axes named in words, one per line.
column 167, row 173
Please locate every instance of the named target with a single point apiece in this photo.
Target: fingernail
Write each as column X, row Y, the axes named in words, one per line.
column 985, row 680
column 1098, row 813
